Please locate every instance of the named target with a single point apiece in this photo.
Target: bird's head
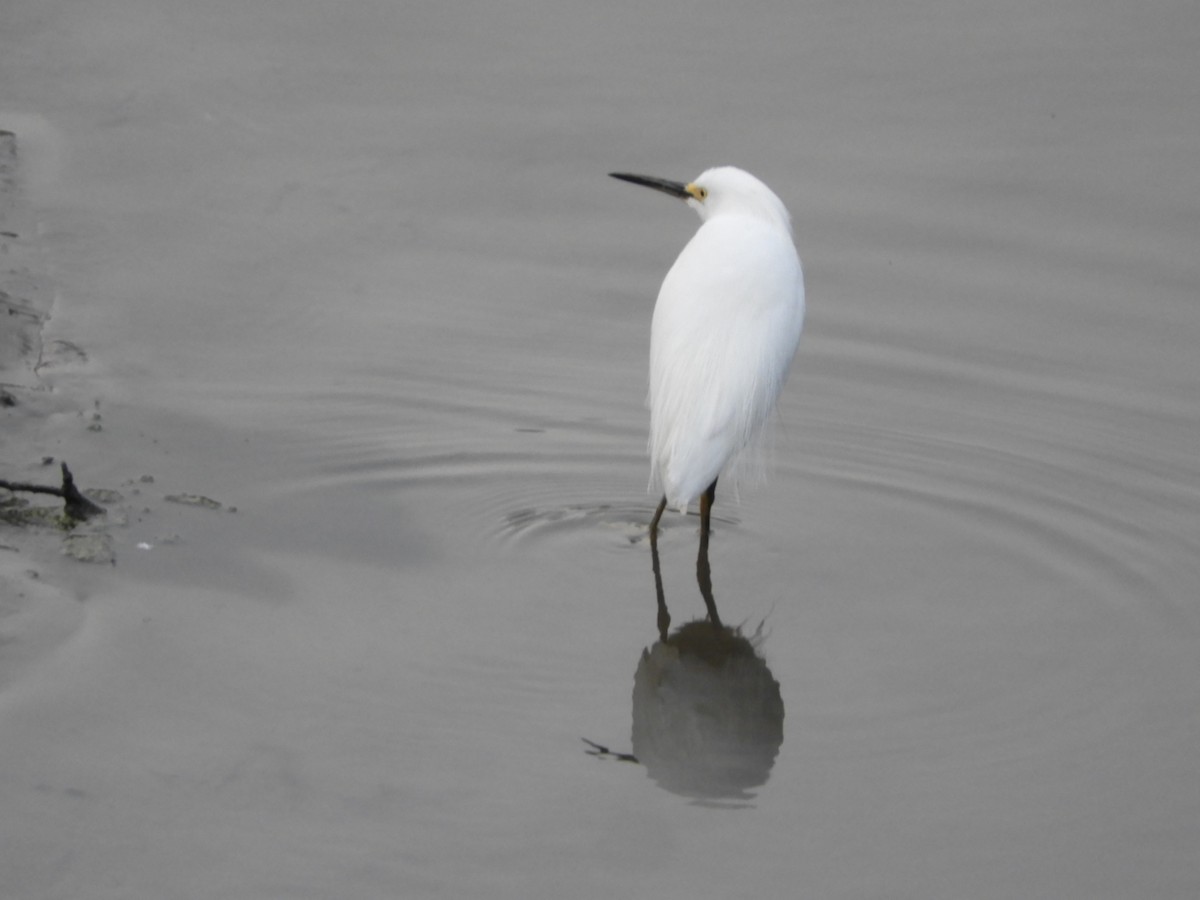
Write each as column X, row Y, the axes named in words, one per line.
column 719, row 191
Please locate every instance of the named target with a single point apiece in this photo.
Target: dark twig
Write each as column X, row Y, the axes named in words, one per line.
column 76, row 505
column 602, row 752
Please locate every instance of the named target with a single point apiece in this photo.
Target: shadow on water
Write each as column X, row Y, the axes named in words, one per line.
column 707, row 712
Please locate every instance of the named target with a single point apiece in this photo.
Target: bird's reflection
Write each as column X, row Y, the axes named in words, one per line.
column 703, row 579
column 707, row 713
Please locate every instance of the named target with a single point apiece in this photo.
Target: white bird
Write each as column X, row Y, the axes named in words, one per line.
column 725, row 329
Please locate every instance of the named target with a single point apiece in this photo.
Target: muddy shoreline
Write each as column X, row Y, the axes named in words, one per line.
column 28, row 395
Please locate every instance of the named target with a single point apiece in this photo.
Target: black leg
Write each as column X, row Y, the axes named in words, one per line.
column 658, row 513
column 706, row 502
column 664, row 616
column 703, row 571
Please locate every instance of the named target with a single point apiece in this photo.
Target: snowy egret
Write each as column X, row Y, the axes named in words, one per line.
column 725, row 328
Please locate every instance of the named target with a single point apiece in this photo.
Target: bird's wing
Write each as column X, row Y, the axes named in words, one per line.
column 725, row 329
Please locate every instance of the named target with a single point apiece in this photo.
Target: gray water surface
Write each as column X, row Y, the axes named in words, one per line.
column 357, row 271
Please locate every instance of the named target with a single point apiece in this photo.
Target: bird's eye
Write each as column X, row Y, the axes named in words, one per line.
column 701, row 193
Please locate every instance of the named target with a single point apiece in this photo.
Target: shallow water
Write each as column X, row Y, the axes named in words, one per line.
column 362, row 276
